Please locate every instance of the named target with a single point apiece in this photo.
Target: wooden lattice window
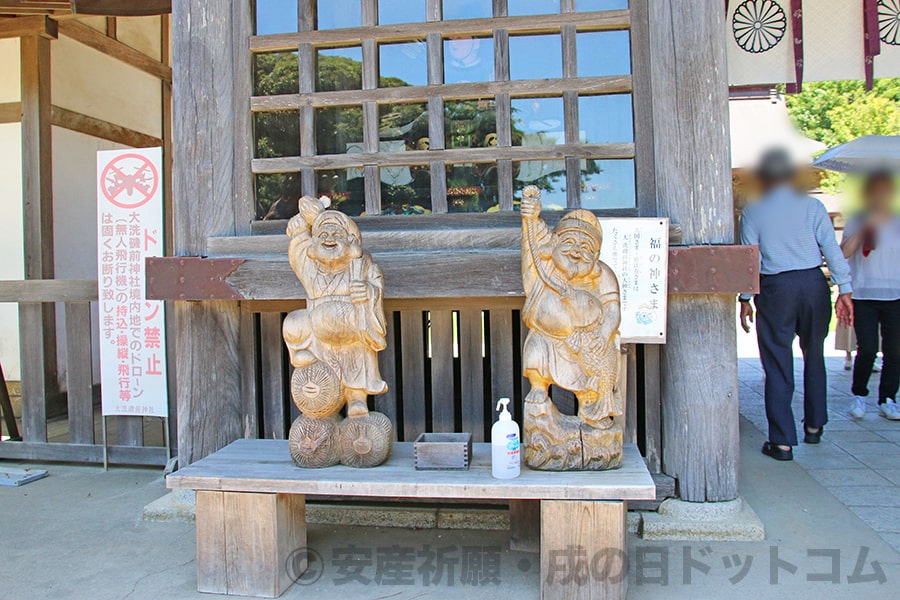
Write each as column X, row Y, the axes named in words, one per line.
column 414, row 106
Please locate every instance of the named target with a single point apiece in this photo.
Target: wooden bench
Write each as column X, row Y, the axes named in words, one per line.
column 251, row 510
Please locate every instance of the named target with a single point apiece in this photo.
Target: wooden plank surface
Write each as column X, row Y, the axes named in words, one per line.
column 272, row 371
column 266, row 466
column 86, row 453
column 596, row 529
column 79, row 374
column 211, row 574
column 412, row 352
column 502, row 345
column 98, row 128
column 387, row 364
column 442, row 388
column 525, row 525
column 471, row 339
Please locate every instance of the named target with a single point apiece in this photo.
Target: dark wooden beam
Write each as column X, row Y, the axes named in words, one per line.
column 39, row 25
column 114, row 48
column 460, row 273
column 122, row 8
column 98, row 128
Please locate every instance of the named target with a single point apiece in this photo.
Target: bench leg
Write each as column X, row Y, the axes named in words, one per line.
column 583, row 550
column 525, row 525
column 245, row 540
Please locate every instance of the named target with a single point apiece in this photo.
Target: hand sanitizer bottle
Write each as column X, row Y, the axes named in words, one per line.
column 505, row 447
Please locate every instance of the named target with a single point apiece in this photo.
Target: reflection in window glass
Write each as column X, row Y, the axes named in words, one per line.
column 532, row 7
column 339, row 69
column 338, row 14
column 468, row 59
column 470, row 123
column 405, row 190
column 339, row 130
column 535, row 57
column 588, row 5
column 403, row 64
column 345, row 187
column 467, row 9
column 607, row 184
column 403, row 127
column 391, row 12
column 603, row 53
column 548, row 175
column 275, row 73
column 537, row 122
column 276, row 16
column 472, row 187
column 276, row 196
column 277, row 134
column 605, row 119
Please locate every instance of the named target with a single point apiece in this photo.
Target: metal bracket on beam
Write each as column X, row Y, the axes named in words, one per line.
column 191, row 278
column 714, row 270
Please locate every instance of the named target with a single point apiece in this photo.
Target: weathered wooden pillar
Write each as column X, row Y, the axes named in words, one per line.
column 693, row 177
column 207, row 201
column 37, row 322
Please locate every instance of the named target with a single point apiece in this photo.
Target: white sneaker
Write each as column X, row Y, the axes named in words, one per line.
column 848, row 364
column 876, row 366
column 890, row 410
column 858, row 407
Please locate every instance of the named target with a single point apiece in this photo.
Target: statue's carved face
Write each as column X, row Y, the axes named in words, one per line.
column 332, row 245
column 575, row 254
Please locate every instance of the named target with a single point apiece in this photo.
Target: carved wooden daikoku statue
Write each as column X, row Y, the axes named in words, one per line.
column 334, row 342
column 572, row 313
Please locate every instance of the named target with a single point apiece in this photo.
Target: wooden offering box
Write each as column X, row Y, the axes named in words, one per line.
column 440, row 451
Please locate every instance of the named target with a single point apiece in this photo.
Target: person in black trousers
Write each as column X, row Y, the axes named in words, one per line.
column 872, row 245
column 793, row 232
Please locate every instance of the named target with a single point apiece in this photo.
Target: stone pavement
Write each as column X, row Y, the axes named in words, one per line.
column 857, row 461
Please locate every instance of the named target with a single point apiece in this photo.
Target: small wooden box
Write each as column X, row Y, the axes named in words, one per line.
column 443, row 451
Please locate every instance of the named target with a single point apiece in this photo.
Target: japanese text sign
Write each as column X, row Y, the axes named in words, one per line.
column 132, row 329
column 637, row 250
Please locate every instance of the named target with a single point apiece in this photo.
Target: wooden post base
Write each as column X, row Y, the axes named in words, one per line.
column 583, row 554
column 245, row 540
column 525, row 525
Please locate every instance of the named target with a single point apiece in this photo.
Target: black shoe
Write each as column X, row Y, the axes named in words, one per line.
column 770, row 449
column 812, row 438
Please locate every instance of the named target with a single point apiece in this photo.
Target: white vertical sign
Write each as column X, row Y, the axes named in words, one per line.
column 637, row 250
column 132, row 329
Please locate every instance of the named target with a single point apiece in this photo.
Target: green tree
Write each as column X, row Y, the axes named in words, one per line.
column 835, row 112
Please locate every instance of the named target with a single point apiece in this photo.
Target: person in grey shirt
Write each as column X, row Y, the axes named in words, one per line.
column 793, row 232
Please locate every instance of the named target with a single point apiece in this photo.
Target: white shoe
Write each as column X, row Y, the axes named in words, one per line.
column 858, row 407
column 890, row 410
column 848, row 364
column 876, row 366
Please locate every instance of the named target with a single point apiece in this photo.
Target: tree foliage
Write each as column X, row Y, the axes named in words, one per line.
column 835, row 112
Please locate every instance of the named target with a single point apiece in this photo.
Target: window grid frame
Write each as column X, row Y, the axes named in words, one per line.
column 566, row 23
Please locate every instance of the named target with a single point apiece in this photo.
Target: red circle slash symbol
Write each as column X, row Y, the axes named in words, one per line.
column 129, row 181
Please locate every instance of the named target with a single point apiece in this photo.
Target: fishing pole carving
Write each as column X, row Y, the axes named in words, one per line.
column 572, row 312
column 334, row 342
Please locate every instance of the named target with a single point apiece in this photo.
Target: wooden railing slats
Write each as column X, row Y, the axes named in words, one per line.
column 442, row 385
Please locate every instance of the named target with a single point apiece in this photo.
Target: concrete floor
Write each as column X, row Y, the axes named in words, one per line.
column 77, row 534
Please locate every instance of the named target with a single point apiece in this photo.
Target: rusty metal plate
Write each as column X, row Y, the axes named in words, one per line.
column 714, row 270
column 191, row 278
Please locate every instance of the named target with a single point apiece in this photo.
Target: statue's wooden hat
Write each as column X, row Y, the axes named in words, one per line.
column 583, row 221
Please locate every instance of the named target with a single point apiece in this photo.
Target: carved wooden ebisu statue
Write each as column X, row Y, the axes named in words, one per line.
column 334, row 342
column 572, row 312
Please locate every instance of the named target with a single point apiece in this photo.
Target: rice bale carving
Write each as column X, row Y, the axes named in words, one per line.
column 572, row 312
column 334, row 342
